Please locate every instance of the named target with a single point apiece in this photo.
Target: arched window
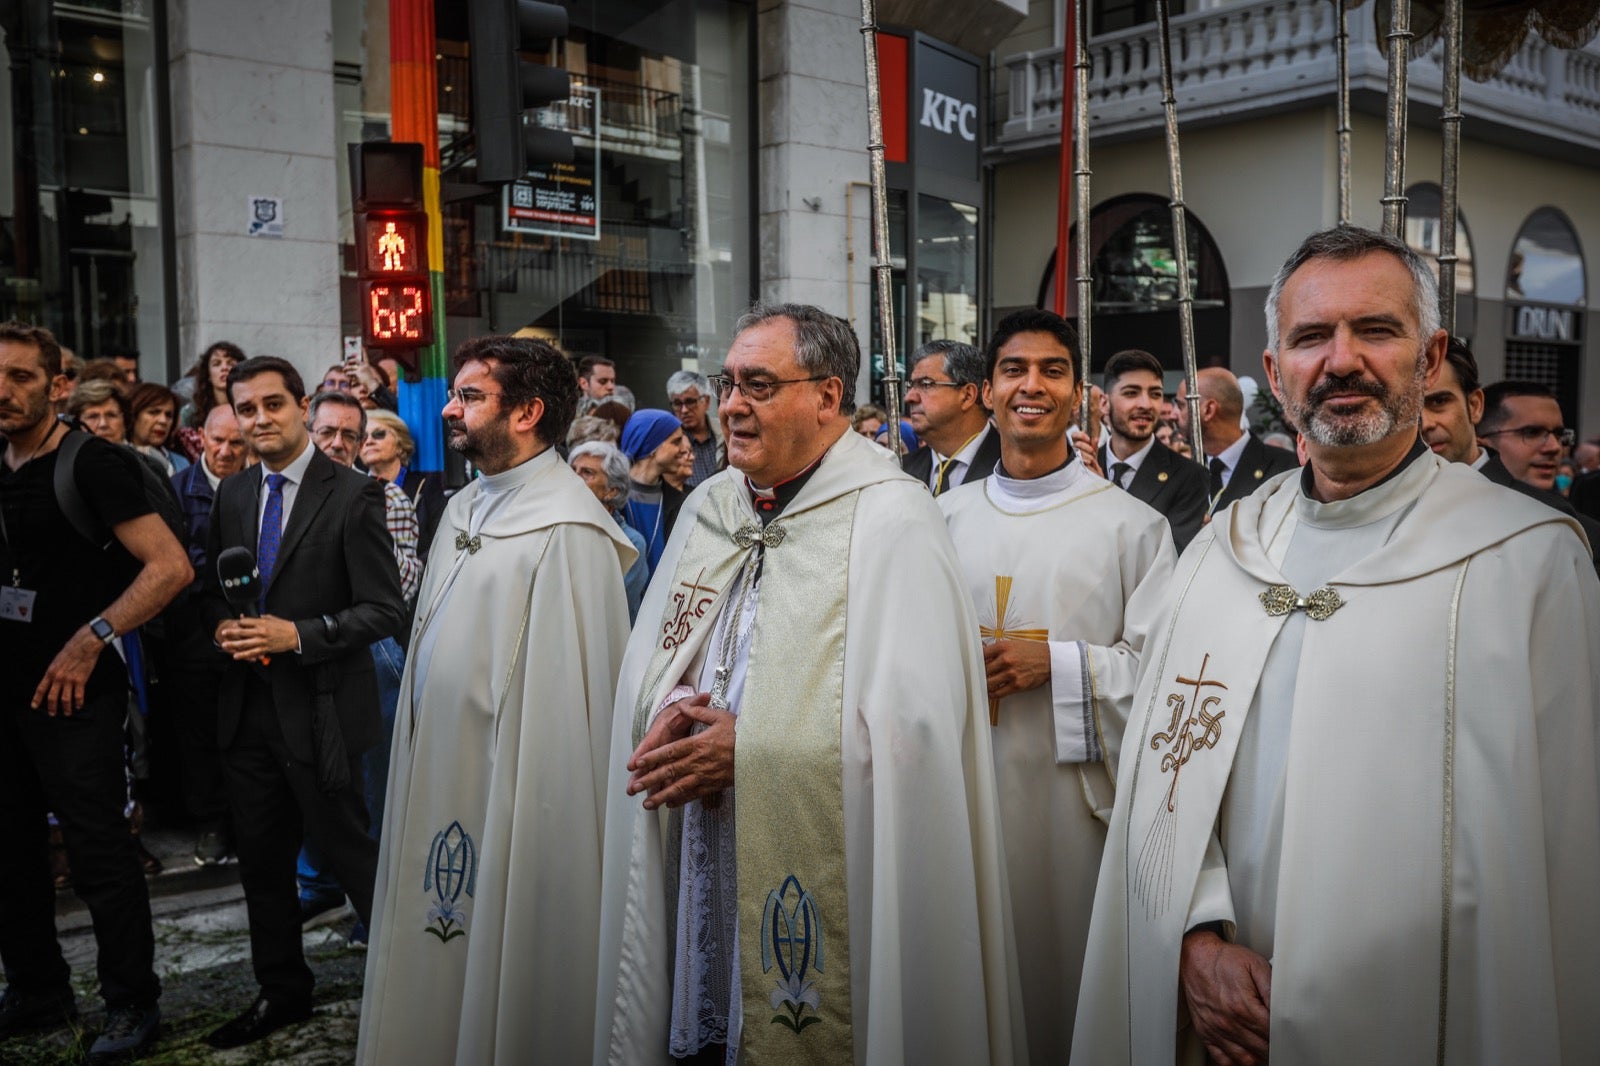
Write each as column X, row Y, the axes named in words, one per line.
column 1136, row 282
column 1546, row 262
column 1424, row 232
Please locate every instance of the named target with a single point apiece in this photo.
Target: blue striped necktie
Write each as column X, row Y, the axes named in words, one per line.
column 271, row 532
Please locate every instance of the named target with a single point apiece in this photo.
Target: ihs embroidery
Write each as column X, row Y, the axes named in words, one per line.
column 1196, row 725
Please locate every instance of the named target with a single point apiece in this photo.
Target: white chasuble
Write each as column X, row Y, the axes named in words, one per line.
column 486, row 917
column 918, row 969
column 1069, row 560
column 1427, row 801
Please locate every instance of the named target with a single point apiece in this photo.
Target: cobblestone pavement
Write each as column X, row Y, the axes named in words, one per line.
column 203, row 959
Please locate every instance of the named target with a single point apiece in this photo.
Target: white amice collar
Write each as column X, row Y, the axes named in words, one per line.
column 1371, row 505
column 521, row 474
column 1032, row 494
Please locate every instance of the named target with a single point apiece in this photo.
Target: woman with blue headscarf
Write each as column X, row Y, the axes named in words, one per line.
column 654, row 442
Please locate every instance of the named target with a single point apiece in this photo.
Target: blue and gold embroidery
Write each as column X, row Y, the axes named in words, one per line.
column 791, row 939
column 451, row 869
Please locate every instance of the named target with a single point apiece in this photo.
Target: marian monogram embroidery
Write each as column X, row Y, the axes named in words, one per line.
column 688, row 607
column 451, row 869
column 1195, row 725
column 791, row 939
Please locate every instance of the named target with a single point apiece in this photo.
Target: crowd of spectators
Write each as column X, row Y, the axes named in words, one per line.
column 641, row 462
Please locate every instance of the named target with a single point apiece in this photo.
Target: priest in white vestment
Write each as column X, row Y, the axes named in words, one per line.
column 486, row 915
column 1358, row 816
column 1064, row 571
column 831, row 888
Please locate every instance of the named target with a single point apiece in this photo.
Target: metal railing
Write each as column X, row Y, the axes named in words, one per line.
column 1264, row 55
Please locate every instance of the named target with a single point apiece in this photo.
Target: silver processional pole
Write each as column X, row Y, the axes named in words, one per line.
column 1180, row 233
column 882, row 263
column 1394, row 178
column 1450, row 126
column 1080, row 109
column 1342, row 57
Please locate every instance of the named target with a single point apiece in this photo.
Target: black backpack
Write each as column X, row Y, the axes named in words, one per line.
column 157, row 490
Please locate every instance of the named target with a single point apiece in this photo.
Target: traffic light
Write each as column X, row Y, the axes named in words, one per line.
column 504, row 87
column 391, row 231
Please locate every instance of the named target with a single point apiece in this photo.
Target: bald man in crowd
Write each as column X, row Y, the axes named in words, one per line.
column 1238, row 460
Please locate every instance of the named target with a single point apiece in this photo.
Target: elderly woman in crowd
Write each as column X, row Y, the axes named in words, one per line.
column 606, row 471
column 152, row 416
column 100, row 408
column 654, row 442
column 208, row 388
column 386, row 453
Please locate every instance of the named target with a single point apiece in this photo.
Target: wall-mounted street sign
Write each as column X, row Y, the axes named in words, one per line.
column 561, row 199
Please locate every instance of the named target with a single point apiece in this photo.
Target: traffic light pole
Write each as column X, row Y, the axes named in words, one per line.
column 413, row 79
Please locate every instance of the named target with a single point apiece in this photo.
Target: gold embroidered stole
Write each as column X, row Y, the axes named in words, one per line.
column 794, row 949
column 1196, row 687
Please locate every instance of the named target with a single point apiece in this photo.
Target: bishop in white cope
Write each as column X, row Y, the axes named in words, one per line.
column 1358, row 815
column 829, row 889
column 1060, row 566
column 486, row 916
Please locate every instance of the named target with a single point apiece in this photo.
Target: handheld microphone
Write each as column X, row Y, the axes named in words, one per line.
column 241, row 584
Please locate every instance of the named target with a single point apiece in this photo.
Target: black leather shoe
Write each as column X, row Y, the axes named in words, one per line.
column 26, row 1014
column 262, row 1019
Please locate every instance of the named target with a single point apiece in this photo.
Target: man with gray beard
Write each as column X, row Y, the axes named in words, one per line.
column 1385, row 845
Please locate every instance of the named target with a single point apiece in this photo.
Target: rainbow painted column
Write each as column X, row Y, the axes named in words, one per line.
column 414, row 105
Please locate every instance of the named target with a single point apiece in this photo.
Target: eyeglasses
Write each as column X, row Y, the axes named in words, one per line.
column 1533, row 436
column 924, row 384
column 758, row 390
column 327, row 433
column 468, row 397
column 686, row 403
column 337, row 384
column 377, row 434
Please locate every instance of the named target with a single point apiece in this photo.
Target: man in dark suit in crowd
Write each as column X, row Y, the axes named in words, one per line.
column 944, row 400
column 1452, row 408
column 1239, row 463
column 193, row 667
column 1132, row 457
column 299, row 702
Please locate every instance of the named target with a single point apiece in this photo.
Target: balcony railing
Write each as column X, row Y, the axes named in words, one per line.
column 1270, row 55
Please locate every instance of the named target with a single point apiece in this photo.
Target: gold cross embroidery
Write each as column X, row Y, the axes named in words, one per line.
column 1001, row 631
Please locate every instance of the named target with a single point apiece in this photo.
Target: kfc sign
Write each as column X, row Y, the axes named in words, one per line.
column 946, row 90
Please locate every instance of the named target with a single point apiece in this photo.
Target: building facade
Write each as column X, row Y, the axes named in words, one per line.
column 178, row 173
column 1255, row 85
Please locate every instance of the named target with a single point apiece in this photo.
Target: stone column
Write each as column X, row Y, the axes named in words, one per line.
column 253, row 116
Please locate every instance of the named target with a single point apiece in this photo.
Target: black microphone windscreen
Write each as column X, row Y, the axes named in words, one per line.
column 240, row 580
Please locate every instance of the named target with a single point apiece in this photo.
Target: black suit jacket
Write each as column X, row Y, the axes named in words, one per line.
column 1585, row 494
column 1496, row 472
column 1258, row 464
column 335, row 559
column 919, row 464
column 1177, row 487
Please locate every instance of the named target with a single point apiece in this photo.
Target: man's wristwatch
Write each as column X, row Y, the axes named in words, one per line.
column 102, row 629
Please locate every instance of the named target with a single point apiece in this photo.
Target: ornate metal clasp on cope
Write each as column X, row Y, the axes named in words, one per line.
column 1319, row 606
column 770, row 537
column 472, row 544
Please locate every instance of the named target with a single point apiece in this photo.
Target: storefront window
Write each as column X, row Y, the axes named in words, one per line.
column 947, row 271
column 80, row 152
column 658, row 278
